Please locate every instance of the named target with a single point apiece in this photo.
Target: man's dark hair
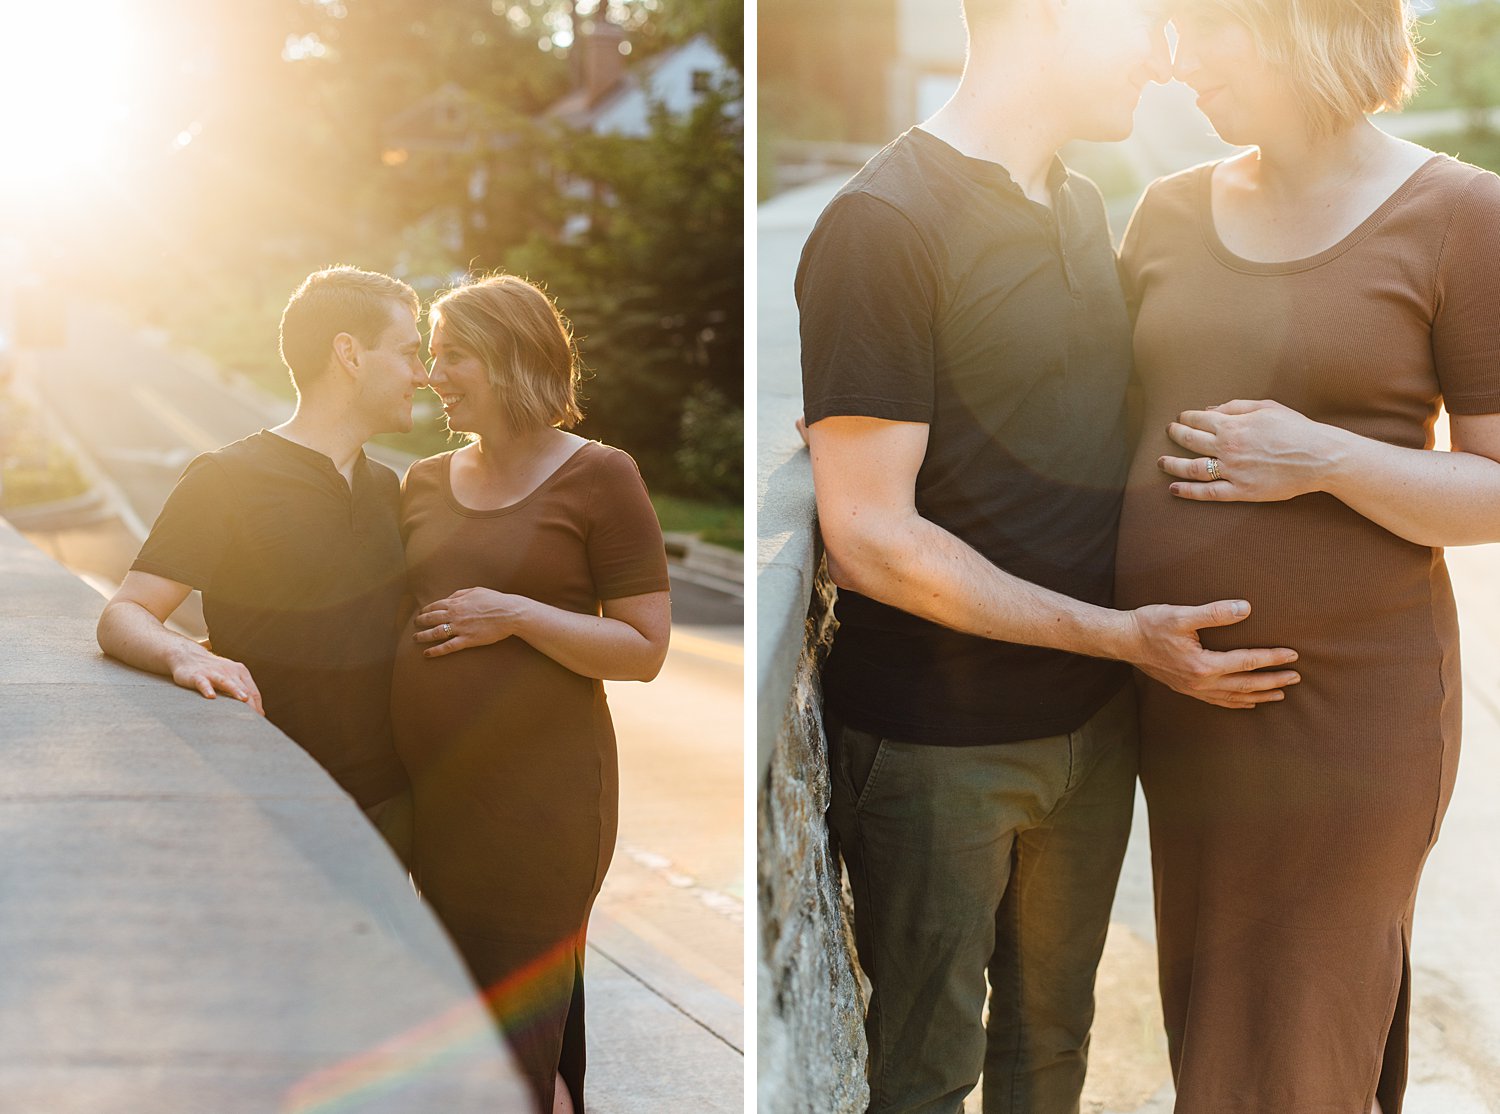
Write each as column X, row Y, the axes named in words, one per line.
column 337, row 300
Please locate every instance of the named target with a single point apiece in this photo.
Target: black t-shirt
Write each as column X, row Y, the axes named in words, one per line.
column 302, row 579
column 933, row 290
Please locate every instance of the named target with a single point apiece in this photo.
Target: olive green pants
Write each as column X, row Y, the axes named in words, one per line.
column 967, row 861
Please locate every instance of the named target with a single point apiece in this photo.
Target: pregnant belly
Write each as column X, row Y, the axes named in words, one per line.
column 1319, row 577
column 495, row 704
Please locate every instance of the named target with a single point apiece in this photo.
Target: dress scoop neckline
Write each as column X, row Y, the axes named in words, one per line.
column 510, row 508
column 1221, row 252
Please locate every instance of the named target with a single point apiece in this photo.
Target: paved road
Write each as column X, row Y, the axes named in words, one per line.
column 668, row 933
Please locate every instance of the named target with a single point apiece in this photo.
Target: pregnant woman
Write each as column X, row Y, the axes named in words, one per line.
column 538, row 568
column 1354, row 279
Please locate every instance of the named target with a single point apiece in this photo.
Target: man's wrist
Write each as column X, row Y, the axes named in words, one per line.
column 1120, row 637
column 184, row 653
column 1099, row 632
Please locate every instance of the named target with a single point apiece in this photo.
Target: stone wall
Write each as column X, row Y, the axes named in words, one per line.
column 811, row 1040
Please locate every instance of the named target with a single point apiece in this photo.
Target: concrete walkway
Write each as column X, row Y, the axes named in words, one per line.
column 1455, row 1062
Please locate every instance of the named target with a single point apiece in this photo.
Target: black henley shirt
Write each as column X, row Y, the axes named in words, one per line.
column 302, row 578
column 933, row 290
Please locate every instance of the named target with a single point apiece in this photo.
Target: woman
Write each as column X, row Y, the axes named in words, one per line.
column 1351, row 277
column 539, row 571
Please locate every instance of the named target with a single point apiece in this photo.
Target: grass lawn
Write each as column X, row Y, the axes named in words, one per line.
column 717, row 523
column 48, row 476
column 1479, row 148
column 33, row 469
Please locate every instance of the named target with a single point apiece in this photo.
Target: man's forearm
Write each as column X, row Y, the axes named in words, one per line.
column 130, row 633
column 923, row 569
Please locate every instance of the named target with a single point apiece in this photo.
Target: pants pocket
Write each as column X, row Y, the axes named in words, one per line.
column 863, row 755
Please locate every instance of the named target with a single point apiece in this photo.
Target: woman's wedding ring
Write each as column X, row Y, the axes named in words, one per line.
column 1214, row 472
column 447, row 630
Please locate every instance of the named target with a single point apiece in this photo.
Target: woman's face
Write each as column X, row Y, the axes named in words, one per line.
column 461, row 381
column 1243, row 96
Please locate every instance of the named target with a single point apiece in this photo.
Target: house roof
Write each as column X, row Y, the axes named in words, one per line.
column 666, row 79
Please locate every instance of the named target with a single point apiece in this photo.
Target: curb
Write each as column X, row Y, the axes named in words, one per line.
column 110, row 500
column 61, row 514
column 712, row 566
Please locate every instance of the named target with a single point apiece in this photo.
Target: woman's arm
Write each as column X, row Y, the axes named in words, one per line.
column 627, row 643
column 1268, row 452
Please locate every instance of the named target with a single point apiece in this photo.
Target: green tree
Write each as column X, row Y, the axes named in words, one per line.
column 1461, row 45
column 655, row 286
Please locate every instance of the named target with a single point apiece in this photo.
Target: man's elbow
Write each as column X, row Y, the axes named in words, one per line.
column 120, row 627
column 104, row 630
column 858, row 561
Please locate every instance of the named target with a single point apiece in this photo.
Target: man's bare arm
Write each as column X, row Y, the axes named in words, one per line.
column 133, row 629
column 864, row 472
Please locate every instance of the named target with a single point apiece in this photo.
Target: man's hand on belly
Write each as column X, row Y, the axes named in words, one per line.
column 1168, row 650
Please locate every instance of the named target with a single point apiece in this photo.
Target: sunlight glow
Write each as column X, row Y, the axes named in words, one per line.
column 64, row 82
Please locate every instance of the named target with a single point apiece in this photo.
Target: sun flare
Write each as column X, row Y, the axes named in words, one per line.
column 65, row 83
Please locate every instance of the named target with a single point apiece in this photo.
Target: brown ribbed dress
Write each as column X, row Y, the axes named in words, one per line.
column 511, row 755
column 1287, row 841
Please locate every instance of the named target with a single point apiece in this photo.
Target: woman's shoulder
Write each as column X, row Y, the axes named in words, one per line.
column 607, row 464
column 1449, row 210
column 1449, row 182
column 1180, row 189
column 1168, row 207
column 425, row 473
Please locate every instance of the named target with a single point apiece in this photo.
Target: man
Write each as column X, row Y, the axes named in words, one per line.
column 292, row 536
column 966, row 348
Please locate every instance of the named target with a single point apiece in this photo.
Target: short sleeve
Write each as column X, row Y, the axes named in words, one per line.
column 1466, row 321
column 625, row 551
column 195, row 530
column 867, row 291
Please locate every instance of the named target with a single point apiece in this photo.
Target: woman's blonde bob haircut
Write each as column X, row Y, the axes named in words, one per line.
column 1344, row 58
column 524, row 343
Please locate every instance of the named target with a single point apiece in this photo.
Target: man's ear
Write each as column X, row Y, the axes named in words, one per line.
column 346, row 352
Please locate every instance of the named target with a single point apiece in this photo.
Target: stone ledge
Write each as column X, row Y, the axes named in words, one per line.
column 192, row 915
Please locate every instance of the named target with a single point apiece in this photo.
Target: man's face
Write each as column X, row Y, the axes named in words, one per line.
column 1112, row 49
column 391, row 373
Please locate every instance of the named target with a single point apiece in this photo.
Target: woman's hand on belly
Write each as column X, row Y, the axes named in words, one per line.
column 1263, row 451
column 1258, row 452
column 471, row 617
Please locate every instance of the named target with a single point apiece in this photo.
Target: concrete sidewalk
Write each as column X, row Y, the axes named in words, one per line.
column 660, row 1039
